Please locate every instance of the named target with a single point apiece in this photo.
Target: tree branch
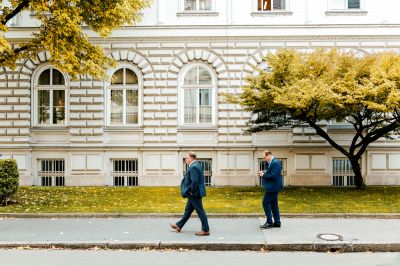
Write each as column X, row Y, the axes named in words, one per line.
column 325, row 135
column 24, row 4
column 16, row 51
column 375, row 135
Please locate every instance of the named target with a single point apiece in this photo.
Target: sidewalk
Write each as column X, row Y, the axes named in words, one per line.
column 296, row 234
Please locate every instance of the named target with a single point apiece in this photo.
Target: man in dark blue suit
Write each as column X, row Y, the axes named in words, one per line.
column 272, row 183
column 193, row 188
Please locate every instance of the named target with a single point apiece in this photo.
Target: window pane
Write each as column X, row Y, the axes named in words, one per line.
column 130, row 77
column 205, row 5
column 190, row 5
column 44, row 78
column 338, row 4
column 354, row 4
column 118, row 77
column 43, row 107
column 264, row 5
column 204, row 76
column 205, row 106
column 279, row 4
column 58, row 78
column 131, row 106
column 58, row 107
column 190, row 107
column 116, row 107
column 191, row 77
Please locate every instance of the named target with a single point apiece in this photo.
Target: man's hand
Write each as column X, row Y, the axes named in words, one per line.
column 260, row 173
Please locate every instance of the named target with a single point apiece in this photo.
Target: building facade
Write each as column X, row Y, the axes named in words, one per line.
column 166, row 97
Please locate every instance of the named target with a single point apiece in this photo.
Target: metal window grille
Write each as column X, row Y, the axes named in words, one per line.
column 125, row 172
column 343, row 175
column 262, row 166
column 52, row 172
column 206, row 164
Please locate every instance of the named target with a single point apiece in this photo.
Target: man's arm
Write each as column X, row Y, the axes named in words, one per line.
column 194, row 178
column 275, row 171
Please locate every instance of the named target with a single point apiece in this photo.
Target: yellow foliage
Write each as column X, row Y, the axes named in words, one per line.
column 61, row 32
column 324, row 84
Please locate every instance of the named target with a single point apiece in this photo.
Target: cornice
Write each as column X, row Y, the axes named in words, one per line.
column 238, row 26
column 242, row 38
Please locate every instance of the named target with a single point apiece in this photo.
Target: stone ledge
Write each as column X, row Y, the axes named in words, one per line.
column 271, row 13
column 346, row 13
column 197, row 14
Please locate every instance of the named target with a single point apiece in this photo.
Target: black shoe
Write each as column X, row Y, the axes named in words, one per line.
column 266, row 226
column 276, row 225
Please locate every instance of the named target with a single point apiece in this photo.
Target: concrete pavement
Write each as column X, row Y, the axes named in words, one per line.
column 296, row 234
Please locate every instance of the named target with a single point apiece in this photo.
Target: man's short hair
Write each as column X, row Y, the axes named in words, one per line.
column 193, row 155
column 267, row 152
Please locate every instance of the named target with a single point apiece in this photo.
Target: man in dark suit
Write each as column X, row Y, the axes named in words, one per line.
column 193, row 188
column 272, row 183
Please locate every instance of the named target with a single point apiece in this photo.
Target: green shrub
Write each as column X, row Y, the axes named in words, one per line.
column 8, row 179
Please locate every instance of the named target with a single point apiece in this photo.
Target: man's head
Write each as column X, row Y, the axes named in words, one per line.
column 267, row 156
column 190, row 157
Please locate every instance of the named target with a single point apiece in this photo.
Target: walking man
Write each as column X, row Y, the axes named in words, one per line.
column 272, row 183
column 193, row 188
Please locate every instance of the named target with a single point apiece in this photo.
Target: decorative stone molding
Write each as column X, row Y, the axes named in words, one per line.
column 184, row 57
column 135, row 58
column 29, row 65
column 252, row 62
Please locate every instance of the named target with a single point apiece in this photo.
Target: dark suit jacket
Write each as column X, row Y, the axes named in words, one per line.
column 272, row 178
column 193, row 183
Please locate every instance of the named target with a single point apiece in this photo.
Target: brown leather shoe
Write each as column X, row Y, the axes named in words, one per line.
column 175, row 227
column 202, row 233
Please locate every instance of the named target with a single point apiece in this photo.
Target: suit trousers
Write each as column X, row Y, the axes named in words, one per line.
column 191, row 205
column 271, row 208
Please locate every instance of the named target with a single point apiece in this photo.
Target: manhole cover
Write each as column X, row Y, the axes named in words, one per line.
column 330, row 237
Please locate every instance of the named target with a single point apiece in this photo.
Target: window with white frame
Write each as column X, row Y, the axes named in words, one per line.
column 123, row 98
column 198, row 96
column 197, row 5
column 50, row 91
column 52, row 172
column 345, row 4
column 342, row 173
column 125, row 172
column 269, row 5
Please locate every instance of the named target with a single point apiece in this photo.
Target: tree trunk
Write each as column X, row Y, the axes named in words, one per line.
column 358, row 176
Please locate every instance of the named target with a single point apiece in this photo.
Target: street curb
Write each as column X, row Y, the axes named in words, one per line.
column 211, row 215
column 336, row 248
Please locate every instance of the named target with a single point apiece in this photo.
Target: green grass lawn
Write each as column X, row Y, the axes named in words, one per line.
column 218, row 200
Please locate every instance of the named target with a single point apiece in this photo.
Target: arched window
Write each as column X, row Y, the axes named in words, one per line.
column 123, row 98
column 50, row 98
column 198, row 89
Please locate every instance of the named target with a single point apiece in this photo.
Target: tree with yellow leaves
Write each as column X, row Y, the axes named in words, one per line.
column 61, row 31
column 328, row 85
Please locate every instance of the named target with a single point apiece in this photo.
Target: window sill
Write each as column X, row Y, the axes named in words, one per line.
column 346, row 13
column 49, row 128
column 210, row 128
column 271, row 13
column 197, row 14
column 134, row 128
